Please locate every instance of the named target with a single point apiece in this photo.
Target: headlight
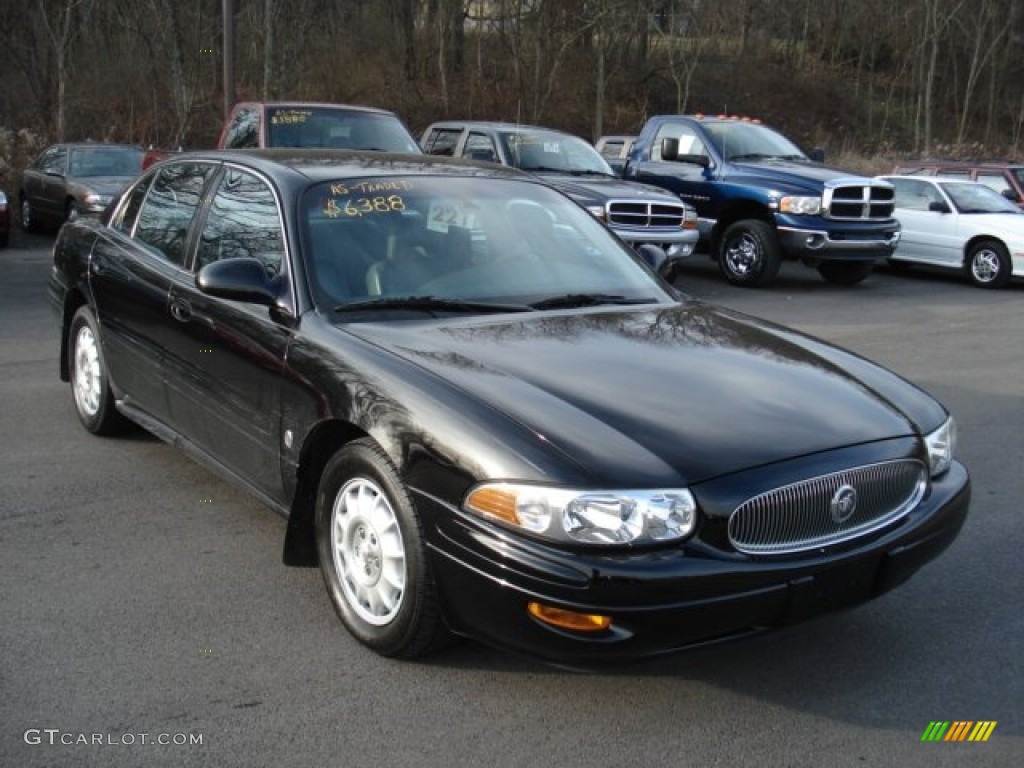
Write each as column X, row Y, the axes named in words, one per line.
column 3, row 198
column 588, row 517
column 95, row 199
column 597, row 211
column 804, row 206
column 941, row 447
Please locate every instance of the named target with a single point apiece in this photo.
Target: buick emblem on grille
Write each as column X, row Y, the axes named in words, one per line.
column 843, row 504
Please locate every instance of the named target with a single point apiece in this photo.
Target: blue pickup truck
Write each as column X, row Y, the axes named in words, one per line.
column 761, row 200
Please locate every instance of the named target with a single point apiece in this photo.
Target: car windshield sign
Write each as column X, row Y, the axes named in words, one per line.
column 466, row 242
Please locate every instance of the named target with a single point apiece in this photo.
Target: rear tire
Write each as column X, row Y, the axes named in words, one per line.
column 845, row 272
column 749, row 254
column 90, row 381
column 988, row 264
column 372, row 556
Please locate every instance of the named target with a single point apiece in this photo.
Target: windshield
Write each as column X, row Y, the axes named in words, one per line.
column 737, row 140
column 105, row 161
column 338, row 128
column 556, row 152
column 977, row 198
column 466, row 239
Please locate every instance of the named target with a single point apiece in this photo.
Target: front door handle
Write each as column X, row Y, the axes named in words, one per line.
column 181, row 310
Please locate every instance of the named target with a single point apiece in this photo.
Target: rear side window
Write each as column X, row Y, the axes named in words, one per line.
column 244, row 130
column 168, row 210
column 125, row 221
column 442, row 141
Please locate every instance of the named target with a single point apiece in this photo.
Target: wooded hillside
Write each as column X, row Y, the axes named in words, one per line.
column 868, row 77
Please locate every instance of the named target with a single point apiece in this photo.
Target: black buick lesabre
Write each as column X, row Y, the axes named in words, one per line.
column 483, row 415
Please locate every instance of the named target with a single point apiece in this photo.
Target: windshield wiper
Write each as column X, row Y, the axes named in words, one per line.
column 591, row 172
column 541, row 169
column 429, row 303
column 753, row 156
column 570, row 300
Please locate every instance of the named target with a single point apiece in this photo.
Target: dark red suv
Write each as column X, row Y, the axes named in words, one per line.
column 1004, row 177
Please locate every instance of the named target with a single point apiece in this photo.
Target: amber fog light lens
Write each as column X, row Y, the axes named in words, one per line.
column 563, row 619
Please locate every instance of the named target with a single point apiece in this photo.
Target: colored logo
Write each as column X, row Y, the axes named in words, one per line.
column 958, row 730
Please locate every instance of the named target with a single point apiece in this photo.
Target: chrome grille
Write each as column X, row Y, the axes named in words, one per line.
column 637, row 214
column 858, row 201
column 815, row 513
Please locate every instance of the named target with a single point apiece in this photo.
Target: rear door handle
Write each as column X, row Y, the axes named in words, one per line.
column 181, row 310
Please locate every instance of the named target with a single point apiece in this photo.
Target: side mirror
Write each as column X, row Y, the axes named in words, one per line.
column 817, row 154
column 241, row 279
column 669, row 149
column 656, row 258
column 702, row 160
column 938, row 206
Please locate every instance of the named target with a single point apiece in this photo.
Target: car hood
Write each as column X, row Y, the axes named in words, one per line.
column 671, row 394
column 787, row 175
column 598, row 189
column 102, row 185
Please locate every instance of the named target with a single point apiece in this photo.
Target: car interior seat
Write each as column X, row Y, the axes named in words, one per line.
column 407, row 263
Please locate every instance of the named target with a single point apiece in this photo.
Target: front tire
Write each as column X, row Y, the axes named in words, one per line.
column 372, row 556
column 749, row 254
column 90, row 381
column 988, row 264
column 845, row 272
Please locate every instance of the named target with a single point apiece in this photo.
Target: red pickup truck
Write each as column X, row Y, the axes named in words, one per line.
column 308, row 124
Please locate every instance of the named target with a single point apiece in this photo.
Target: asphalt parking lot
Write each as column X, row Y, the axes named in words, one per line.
column 143, row 600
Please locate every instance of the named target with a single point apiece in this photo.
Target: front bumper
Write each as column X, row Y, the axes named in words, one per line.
column 666, row 600
column 678, row 243
column 848, row 241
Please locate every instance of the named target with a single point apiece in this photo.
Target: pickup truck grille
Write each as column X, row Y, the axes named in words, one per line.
column 637, row 214
column 858, row 201
column 827, row 510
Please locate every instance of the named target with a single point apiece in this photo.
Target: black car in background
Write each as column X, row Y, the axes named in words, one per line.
column 515, row 433
column 67, row 180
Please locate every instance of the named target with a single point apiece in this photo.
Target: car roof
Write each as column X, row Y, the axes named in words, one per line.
column 994, row 165
column 93, row 145
column 496, row 125
column 930, row 179
column 327, row 164
column 313, row 105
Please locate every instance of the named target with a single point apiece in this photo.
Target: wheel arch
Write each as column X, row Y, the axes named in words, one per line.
column 74, row 299
column 326, row 439
column 736, row 211
column 977, row 240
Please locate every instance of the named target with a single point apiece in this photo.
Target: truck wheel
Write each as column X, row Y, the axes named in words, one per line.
column 372, row 554
column 988, row 265
column 845, row 272
column 749, row 253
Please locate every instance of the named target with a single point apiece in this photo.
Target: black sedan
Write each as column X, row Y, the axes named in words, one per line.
column 483, row 415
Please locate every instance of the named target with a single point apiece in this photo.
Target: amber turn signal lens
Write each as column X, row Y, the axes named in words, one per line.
column 494, row 502
column 559, row 617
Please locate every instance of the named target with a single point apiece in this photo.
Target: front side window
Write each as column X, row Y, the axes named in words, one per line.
column 689, row 142
column 54, row 160
column 461, row 238
column 168, row 210
column 243, row 222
